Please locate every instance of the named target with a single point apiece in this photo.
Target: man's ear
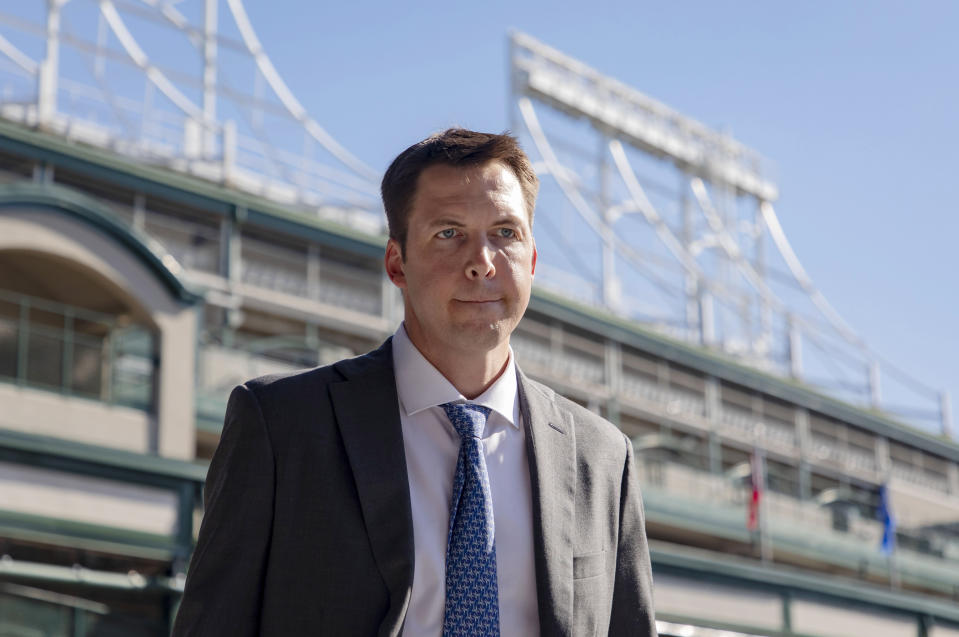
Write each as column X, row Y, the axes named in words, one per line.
column 393, row 262
column 534, row 257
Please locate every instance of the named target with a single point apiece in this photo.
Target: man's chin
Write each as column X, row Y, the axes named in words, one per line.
column 483, row 335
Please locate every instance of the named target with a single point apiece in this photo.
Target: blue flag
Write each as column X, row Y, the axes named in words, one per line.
column 888, row 522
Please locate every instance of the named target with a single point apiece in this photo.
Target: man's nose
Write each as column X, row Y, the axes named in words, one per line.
column 480, row 262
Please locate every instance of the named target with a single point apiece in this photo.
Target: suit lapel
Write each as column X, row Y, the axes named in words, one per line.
column 551, row 452
column 367, row 414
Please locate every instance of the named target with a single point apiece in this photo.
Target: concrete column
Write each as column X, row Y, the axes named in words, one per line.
column 883, row 459
column 802, row 437
column 952, row 475
column 711, row 397
column 613, row 360
column 176, row 408
column 313, row 272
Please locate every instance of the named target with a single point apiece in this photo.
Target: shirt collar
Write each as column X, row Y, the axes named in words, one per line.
column 420, row 386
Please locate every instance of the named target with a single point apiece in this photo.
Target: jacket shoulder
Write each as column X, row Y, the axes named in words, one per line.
column 591, row 429
column 292, row 384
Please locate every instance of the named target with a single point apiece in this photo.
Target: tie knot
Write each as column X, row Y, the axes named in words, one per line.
column 468, row 419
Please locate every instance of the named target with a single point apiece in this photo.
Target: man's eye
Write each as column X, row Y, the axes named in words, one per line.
column 507, row 233
column 449, row 233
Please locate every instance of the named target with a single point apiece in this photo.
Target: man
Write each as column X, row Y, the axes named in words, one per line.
column 427, row 487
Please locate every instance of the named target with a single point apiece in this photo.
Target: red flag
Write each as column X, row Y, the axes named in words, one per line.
column 756, row 478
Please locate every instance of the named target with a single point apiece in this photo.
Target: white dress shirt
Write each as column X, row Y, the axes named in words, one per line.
column 432, row 447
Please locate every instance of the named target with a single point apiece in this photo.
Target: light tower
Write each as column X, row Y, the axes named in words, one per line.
column 680, row 230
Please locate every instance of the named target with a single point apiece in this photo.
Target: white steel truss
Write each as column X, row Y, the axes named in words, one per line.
column 720, row 265
column 705, row 276
column 201, row 123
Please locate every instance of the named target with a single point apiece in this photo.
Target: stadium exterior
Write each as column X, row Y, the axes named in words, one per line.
column 133, row 297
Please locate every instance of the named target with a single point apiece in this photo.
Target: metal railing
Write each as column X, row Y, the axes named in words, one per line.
column 287, row 270
column 192, row 245
column 222, row 368
column 845, row 520
column 560, row 363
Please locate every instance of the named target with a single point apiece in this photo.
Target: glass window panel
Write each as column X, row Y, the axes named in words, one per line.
column 87, row 369
column 45, row 357
column 133, row 367
column 8, row 348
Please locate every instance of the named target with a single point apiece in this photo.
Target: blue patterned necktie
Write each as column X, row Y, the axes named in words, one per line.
column 472, row 597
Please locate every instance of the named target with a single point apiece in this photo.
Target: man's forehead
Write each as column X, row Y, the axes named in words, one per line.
column 441, row 182
column 492, row 170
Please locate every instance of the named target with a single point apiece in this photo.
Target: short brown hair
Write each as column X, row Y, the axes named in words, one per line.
column 453, row 147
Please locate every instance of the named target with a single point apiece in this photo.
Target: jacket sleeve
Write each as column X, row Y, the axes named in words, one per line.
column 632, row 612
column 224, row 583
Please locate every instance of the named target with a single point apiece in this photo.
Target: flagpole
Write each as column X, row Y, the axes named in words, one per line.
column 888, row 545
column 765, row 541
column 757, row 520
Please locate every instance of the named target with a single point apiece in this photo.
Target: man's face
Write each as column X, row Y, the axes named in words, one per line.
column 469, row 259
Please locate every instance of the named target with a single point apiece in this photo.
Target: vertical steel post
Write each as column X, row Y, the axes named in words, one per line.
column 209, row 78
column 765, row 311
column 707, row 330
column 801, row 418
column 612, row 298
column 99, row 62
column 693, row 316
column 795, row 347
column 50, row 67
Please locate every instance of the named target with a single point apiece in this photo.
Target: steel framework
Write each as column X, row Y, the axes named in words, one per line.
column 712, row 251
column 707, row 261
column 126, row 89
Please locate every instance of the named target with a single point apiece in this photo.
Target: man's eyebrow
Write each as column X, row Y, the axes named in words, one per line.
column 446, row 222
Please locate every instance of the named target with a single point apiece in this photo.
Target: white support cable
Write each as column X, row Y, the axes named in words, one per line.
column 177, row 19
column 729, row 245
column 108, row 96
column 171, row 15
column 673, row 244
column 165, row 11
column 571, row 252
column 831, row 361
column 576, row 198
column 731, row 248
column 638, row 195
column 803, row 279
column 18, row 57
column 280, row 160
column 140, row 58
column 819, row 300
column 287, row 98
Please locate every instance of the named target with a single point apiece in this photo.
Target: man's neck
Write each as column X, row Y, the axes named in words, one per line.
column 470, row 372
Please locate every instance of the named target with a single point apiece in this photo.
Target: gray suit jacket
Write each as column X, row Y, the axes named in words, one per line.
column 308, row 531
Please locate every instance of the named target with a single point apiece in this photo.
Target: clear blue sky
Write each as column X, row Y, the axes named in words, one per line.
column 856, row 103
